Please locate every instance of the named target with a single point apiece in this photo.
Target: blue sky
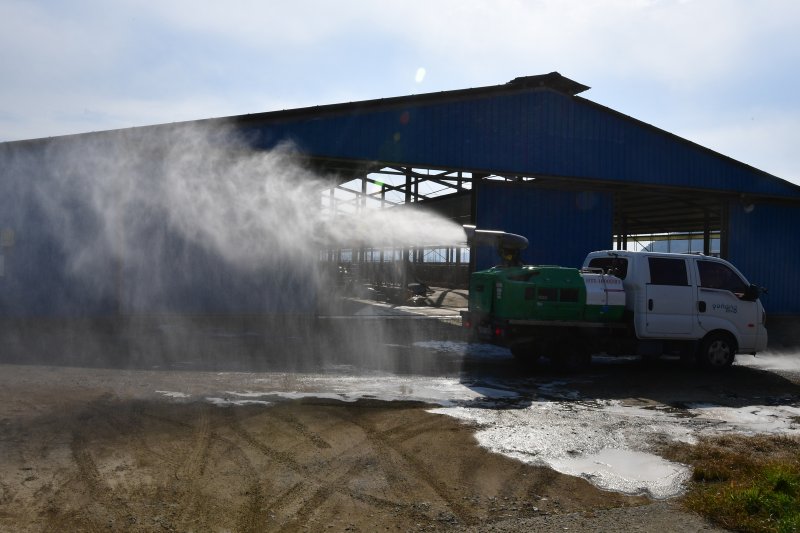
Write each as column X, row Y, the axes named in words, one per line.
column 722, row 73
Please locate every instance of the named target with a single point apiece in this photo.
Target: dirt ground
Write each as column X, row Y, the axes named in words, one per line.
column 91, row 439
column 86, row 449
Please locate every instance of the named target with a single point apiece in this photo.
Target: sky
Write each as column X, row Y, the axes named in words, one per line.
column 722, row 73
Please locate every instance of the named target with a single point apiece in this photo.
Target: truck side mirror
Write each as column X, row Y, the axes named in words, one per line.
column 752, row 293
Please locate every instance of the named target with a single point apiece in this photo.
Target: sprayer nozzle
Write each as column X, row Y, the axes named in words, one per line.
column 500, row 239
column 469, row 230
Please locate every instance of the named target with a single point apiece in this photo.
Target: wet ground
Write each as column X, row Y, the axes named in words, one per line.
column 380, row 419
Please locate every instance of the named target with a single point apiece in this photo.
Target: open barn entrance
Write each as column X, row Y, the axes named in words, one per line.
column 643, row 218
column 674, row 221
column 394, row 271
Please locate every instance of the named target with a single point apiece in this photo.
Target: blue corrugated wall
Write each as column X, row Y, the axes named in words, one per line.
column 765, row 245
column 561, row 226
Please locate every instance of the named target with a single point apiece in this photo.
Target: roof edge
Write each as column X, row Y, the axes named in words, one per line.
column 553, row 80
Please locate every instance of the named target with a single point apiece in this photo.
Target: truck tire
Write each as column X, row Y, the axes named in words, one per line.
column 525, row 353
column 573, row 356
column 717, row 351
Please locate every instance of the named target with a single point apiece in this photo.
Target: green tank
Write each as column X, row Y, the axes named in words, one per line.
column 546, row 293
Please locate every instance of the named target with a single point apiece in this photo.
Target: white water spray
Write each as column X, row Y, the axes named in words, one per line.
column 138, row 199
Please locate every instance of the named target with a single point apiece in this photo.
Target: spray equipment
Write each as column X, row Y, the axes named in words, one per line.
column 508, row 245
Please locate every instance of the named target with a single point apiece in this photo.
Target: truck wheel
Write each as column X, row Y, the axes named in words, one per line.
column 716, row 351
column 525, row 353
column 573, row 356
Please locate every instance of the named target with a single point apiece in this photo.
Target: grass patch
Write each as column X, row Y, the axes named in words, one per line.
column 744, row 483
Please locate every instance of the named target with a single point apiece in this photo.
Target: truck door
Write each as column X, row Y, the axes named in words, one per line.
column 669, row 298
column 720, row 305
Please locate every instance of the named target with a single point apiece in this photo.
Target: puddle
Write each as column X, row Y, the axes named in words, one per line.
column 539, row 421
column 173, row 394
column 228, row 402
column 602, row 441
column 467, row 349
column 753, row 419
column 628, row 471
column 787, row 362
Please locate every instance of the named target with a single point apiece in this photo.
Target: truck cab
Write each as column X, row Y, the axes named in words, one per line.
column 688, row 300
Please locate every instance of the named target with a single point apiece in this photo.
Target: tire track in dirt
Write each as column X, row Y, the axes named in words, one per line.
column 396, row 475
column 419, row 470
column 279, row 457
column 292, row 494
column 403, row 432
column 103, row 506
column 251, row 516
column 186, row 484
column 100, row 494
column 253, row 513
column 319, row 496
column 195, row 462
column 205, row 441
column 6, row 494
column 317, row 480
column 301, row 429
column 127, row 420
column 87, row 469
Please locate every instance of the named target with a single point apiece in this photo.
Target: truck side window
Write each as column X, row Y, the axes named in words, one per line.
column 715, row 275
column 666, row 271
column 616, row 266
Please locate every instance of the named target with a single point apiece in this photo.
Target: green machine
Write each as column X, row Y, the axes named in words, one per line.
column 521, row 305
column 539, row 293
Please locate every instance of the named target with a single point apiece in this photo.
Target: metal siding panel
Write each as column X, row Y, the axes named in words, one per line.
column 508, row 119
column 561, row 226
column 568, row 136
column 765, row 246
column 488, row 150
column 524, row 134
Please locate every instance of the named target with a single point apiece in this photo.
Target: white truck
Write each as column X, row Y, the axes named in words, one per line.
column 619, row 303
column 692, row 304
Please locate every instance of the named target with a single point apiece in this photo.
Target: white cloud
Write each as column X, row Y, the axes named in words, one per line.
column 255, row 23
column 40, row 45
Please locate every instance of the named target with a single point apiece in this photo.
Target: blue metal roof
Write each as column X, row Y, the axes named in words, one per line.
column 515, row 129
column 531, row 126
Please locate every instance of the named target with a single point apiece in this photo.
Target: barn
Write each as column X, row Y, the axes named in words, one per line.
column 530, row 156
